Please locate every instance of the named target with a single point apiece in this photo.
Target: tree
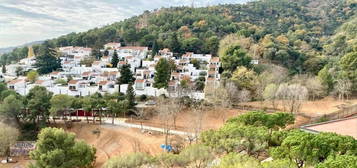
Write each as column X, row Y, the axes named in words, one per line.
column 126, row 76
column 3, row 70
column 192, row 44
column 212, row 44
column 233, row 137
column 315, row 88
column 244, row 78
column 233, row 57
column 346, row 161
column 348, row 64
column 307, row 149
column 199, row 155
column 343, row 88
column 57, row 148
column 115, row 59
column 130, row 96
column 47, row 60
column 196, row 63
column 12, row 108
column 293, row 95
column 117, row 107
column 60, row 104
column 129, row 161
column 19, row 71
column 155, row 48
column 279, row 163
column 87, row 61
column 174, row 44
column 276, row 121
column 32, row 76
column 97, row 103
column 38, row 103
column 162, row 74
column 8, row 136
column 234, row 160
column 270, row 93
column 326, row 78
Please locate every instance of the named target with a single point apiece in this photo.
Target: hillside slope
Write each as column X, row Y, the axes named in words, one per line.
column 307, row 24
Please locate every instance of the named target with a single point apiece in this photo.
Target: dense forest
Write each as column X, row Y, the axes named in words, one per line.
column 304, row 36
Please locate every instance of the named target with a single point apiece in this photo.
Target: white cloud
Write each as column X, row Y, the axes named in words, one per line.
column 23, row 21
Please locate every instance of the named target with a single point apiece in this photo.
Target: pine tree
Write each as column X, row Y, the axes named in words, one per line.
column 115, row 59
column 126, row 76
column 162, row 74
column 130, row 96
column 47, row 62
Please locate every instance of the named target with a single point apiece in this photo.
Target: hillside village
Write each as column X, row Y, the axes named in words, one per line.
column 102, row 77
column 262, row 84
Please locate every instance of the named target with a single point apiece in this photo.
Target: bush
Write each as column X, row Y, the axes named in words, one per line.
column 142, row 97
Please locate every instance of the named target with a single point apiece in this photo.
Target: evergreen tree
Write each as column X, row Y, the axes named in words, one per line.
column 130, row 96
column 115, row 59
column 126, row 76
column 155, row 49
column 96, row 53
column 106, row 53
column 175, row 45
column 47, row 62
column 162, row 74
column 57, row 148
column 3, row 70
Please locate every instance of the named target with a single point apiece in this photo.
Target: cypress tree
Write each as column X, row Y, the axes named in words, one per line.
column 115, row 59
column 126, row 76
column 130, row 96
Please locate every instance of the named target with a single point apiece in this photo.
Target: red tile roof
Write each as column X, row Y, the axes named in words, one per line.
column 139, row 81
column 103, row 82
column 215, row 59
column 39, row 82
column 86, row 73
column 134, row 48
column 73, row 82
column 16, row 81
column 55, row 73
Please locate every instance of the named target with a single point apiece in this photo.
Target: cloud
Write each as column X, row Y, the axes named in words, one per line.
column 23, row 21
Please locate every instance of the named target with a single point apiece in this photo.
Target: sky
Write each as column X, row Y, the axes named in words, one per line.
column 24, row 21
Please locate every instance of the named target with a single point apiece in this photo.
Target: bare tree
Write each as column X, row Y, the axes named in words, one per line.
column 315, row 88
column 343, row 88
column 8, row 136
column 221, row 100
column 282, row 94
column 168, row 110
column 196, row 121
column 244, row 95
column 293, row 95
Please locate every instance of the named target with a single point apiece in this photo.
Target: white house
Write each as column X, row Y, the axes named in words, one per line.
column 106, row 86
column 98, row 65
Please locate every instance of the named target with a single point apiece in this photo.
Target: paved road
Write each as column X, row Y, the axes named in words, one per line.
column 121, row 123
